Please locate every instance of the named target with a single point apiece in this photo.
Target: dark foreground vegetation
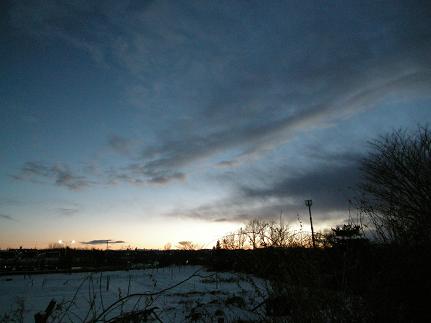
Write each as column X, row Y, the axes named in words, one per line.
column 352, row 282
column 348, row 277
column 368, row 283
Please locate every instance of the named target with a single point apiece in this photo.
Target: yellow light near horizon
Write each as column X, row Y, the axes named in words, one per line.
column 155, row 235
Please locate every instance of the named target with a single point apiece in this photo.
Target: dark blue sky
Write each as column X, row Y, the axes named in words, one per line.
column 156, row 121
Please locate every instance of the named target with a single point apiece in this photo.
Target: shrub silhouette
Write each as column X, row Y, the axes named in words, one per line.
column 396, row 187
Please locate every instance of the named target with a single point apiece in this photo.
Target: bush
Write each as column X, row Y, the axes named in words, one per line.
column 396, row 190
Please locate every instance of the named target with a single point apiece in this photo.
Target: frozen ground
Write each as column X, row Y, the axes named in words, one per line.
column 206, row 296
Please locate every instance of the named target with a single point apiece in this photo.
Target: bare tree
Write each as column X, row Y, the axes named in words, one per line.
column 279, row 235
column 241, row 238
column 254, row 230
column 167, row 246
column 263, row 234
column 234, row 240
column 396, row 187
column 187, row 245
column 228, row 242
column 55, row 245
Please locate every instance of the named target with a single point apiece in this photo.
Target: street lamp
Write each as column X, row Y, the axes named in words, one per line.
column 309, row 203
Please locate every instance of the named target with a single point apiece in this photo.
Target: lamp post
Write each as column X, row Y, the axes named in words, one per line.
column 309, row 203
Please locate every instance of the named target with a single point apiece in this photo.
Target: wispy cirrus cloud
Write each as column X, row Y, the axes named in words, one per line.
column 57, row 174
column 7, row 217
column 62, row 175
column 120, row 144
column 264, row 134
column 142, row 174
column 331, row 184
column 166, row 179
column 293, row 68
column 102, row 242
column 208, row 87
column 67, row 212
column 9, row 201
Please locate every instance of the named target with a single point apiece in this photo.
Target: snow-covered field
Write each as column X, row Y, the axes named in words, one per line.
column 206, row 296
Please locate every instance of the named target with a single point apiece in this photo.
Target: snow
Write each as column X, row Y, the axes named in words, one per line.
column 207, row 295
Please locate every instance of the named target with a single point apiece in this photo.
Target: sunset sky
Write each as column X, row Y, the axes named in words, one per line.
column 162, row 121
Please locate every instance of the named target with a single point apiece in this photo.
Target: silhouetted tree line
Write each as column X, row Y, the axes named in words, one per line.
column 18, row 261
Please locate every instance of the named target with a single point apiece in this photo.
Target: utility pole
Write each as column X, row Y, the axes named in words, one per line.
column 309, row 203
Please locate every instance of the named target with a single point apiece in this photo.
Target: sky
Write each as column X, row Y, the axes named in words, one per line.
column 151, row 122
